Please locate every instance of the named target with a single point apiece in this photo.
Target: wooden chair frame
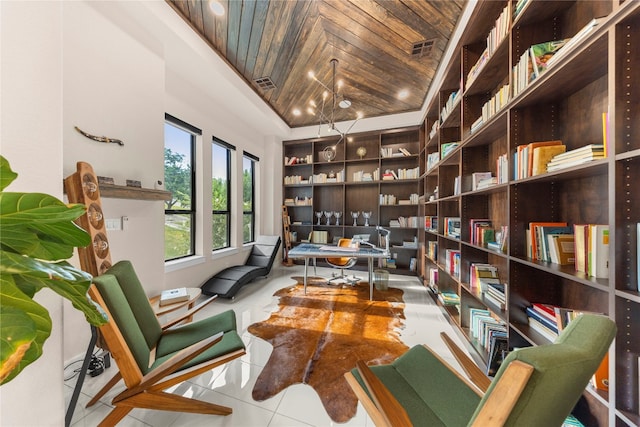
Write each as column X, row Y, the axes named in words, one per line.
column 385, row 410
column 147, row 391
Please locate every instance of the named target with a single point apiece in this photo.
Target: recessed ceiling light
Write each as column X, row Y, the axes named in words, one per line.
column 403, row 94
column 296, row 112
column 345, row 103
column 216, row 7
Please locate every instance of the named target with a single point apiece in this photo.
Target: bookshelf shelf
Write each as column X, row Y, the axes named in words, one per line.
column 591, row 83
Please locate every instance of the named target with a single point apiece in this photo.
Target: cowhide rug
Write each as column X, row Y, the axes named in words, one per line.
column 319, row 336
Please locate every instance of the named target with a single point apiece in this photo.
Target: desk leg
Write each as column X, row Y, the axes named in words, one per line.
column 306, row 265
column 370, row 264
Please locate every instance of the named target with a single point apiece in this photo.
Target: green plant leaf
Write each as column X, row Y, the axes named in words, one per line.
column 35, row 230
column 44, row 241
column 24, row 327
column 7, row 176
column 31, row 275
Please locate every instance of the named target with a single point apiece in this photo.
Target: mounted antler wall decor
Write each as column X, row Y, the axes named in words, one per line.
column 104, row 139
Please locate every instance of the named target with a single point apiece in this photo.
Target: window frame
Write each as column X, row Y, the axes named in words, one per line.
column 253, row 159
column 229, row 211
column 194, row 133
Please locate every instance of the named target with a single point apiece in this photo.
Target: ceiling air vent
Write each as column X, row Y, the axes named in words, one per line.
column 422, row 48
column 264, row 83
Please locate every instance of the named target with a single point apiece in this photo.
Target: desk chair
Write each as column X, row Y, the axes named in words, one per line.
column 535, row 386
column 152, row 359
column 344, row 263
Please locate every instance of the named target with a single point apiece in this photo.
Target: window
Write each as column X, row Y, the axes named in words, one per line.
column 248, row 197
column 221, row 193
column 179, row 179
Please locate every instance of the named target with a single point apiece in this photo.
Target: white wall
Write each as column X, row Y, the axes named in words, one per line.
column 31, row 139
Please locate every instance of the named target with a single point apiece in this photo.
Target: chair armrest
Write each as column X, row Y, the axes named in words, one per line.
column 170, row 365
column 474, row 373
column 393, row 413
column 188, row 313
column 504, row 395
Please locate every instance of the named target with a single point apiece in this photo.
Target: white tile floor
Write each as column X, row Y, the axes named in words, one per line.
column 231, row 384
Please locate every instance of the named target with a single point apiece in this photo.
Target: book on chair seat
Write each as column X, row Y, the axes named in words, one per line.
column 172, row 296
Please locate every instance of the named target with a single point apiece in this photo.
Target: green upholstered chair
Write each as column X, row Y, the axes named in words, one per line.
column 535, row 386
column 152, row 358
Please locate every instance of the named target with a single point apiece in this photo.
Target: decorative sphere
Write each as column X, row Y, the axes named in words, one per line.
column 361, row 151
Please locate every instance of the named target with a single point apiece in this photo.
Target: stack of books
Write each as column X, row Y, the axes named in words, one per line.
column 481, row 275
column 576, row 157
column 448, row 298
column 496, row 294
column 542, row 318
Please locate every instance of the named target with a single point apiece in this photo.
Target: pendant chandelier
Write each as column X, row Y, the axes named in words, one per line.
column 326, row 112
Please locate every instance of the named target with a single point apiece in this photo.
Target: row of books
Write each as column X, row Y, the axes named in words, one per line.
column 362, row 176
column 549, row 319
column 402, row 173
column 495, row 36
column 499, row 100
column 483, row 326
column 432, row 159
column 531, row 159
column 298, row 201
column 431, row 223
column 406, row 222
column 293, row 160
column 387, row 152
column 481, row 232
column 586, row 246
column 452, row 227
column 434, row 129
column 432, row 250
column 323, row 178
column 390, row 199
column 502, row 168
column 591, row 243
column 532, row 63
column 296, row 179
column 452, row 262
column 451, row 102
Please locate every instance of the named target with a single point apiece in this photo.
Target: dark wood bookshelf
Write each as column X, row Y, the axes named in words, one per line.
column 565, row 102
column 349, row 196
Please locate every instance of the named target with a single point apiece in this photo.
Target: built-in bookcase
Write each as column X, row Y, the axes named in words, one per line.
column 589, row 94
column 356, row 182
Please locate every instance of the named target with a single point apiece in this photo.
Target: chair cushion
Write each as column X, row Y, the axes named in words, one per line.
column 136, row 297
column 230, row 342
column 124, row 317
column 430, row 393
column 182, row 337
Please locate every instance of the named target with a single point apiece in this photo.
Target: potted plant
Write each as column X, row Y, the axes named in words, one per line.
column 37, row 235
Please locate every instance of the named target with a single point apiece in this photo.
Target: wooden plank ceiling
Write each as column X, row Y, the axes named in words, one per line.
column 378, row 45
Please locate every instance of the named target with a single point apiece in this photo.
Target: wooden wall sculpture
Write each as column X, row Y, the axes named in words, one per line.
column 82, row 187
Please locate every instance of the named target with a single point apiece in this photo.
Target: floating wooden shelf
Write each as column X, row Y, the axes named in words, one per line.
column 124, row 192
